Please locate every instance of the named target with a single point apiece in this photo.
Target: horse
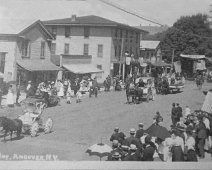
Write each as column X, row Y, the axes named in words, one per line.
column 10, row 125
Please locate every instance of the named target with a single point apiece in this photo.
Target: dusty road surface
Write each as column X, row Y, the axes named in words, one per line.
column 80, row 125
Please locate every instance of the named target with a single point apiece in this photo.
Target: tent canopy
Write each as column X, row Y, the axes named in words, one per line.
column 193, row 56
column 82, row 68
column 38, row 65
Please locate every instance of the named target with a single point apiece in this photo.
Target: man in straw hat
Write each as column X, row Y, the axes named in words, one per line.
column 132, row 139
column 140, row 131
column 120, row 136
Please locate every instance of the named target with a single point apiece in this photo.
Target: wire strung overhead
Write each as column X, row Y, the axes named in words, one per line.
column 129, row 12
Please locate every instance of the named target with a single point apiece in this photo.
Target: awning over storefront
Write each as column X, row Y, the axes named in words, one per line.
column 38, row 65
column 160, row 64
column 82, row 68
column 193, row 56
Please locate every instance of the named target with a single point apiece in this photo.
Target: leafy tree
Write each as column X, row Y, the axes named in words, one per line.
column 189, row 35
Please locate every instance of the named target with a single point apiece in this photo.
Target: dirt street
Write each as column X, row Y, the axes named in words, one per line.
column 79, row 125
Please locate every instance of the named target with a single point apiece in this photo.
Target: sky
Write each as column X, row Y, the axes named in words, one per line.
column 15, row 15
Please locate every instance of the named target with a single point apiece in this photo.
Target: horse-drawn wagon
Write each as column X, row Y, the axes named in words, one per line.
column 138, row 93
column 32, row 117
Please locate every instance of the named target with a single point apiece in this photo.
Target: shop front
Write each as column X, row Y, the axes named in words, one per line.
column 36, row 71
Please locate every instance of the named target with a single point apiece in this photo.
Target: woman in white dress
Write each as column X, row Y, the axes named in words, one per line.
column 61, row 89
column 10, row 96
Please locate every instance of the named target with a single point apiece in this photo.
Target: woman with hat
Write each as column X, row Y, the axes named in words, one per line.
column 10, row 96
column 190, row 145
column 177, row 148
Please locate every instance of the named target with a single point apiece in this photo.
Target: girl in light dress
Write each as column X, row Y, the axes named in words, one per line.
column 10, row 97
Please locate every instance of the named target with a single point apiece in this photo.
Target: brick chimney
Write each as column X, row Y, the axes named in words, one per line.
column 73, row 18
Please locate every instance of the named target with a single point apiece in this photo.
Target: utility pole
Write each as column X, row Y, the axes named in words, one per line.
column 121, row 57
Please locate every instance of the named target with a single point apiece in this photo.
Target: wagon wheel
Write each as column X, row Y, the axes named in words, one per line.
column 48, row 125
column 34, row 129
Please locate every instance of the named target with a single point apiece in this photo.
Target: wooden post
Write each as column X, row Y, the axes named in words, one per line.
column 121, row 57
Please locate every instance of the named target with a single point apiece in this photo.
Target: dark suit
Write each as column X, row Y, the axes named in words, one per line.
column 118, row 136
column 179, row 113
column 132, row 140
column 174, row 115
column 200, row 138
column 148, row 153
column 139, row 133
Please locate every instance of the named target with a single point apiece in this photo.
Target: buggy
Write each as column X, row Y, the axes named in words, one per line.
column 32, row 117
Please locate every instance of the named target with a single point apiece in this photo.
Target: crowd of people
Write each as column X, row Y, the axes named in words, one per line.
column 189, row 138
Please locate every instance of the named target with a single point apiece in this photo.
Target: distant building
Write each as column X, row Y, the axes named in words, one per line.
column 26, row 55
column 150, row 31
column 150, row 51
column 93, row 43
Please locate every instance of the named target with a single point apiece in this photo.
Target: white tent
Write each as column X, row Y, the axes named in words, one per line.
column 207, row 105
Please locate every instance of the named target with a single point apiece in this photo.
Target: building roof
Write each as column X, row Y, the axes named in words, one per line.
column 153, row 29
column 149, row 44
column 38, row 65
column 90, row 20
column 40, row 24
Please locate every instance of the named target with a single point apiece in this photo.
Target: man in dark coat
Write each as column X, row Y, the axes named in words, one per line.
column 174, row 114
column 133, row 155
column 119, row 136
column 76, row 85
column 116, row 149
column 149, row 150
column 179, row 112
column 132, row 139
column 140, row 131
column 201, row 133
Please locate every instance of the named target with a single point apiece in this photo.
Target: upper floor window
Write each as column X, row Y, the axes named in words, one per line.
column 100, row 50
column 116, row 33
column 115, row 48
column 86, row 32
column 53, row 48
column 42, row 53
column 2, row 62
column 67, row 31
column 54, row 31
column 66, row 48
column 99, row 67
column 25, row 49
column 131, row 37
column 137, row 37
column 126, row 36
column 85, row 51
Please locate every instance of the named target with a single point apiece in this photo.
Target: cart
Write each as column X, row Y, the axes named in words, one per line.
column 32, row 117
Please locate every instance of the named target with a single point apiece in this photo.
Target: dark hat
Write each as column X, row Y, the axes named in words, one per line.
column 189, row 129
column 141, row 125
column 180, row 127
column 148, row 139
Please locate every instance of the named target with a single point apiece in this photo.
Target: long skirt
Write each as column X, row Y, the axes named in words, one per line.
column 177, row 154
column 10, row 99
column 191, row 156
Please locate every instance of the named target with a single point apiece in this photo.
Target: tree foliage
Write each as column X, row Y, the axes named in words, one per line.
column 189, row 35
